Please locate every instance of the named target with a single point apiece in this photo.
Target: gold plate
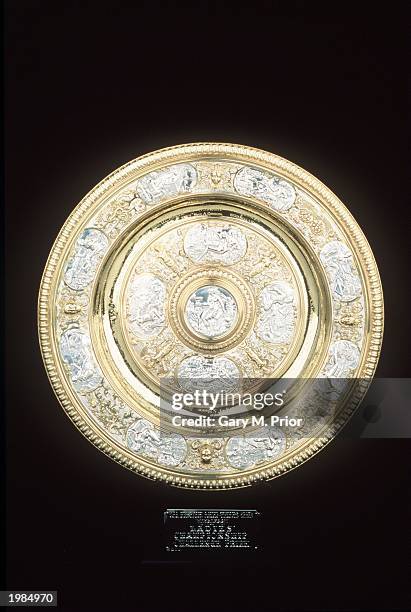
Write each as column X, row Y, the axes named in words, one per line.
column 212, row 259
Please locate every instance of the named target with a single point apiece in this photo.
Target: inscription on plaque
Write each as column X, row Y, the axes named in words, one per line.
column 206, row 530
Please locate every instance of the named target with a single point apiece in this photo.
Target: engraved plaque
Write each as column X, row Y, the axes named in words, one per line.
column 199, row 531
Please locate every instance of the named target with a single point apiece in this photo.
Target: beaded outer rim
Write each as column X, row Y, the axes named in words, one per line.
column 304, row 180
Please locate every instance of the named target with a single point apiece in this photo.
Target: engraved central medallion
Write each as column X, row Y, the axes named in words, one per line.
column 211, row 311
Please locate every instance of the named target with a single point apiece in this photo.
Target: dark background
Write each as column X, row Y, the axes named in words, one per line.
column 91, row 86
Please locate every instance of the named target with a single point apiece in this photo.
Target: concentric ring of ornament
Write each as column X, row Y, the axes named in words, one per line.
column 268, row 187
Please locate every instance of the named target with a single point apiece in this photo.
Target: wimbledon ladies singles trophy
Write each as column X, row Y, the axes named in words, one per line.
column 201, row 273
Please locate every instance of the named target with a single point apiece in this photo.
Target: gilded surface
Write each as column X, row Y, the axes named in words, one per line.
column 265, row 255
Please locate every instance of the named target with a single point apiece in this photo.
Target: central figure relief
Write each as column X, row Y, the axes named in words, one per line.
column 211, row 311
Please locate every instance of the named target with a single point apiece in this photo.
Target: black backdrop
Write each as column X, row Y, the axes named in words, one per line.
column 90, row 86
